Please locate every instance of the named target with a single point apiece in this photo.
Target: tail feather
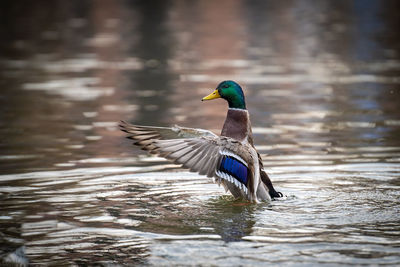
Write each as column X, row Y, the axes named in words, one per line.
column 271, row 190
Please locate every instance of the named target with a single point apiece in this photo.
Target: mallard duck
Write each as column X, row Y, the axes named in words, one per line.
column 231, row 158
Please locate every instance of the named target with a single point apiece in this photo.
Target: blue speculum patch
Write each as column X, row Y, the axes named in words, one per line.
column 235, row 168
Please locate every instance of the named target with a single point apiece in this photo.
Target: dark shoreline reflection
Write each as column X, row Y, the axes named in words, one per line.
column 152, row 85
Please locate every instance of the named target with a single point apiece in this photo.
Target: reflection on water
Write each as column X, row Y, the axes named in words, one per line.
column 322, row 86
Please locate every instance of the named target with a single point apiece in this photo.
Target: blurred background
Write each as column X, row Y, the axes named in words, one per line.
column 70, row 70
column 322, row 84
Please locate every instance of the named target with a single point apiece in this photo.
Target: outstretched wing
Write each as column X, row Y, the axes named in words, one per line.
column 227, row 160
column 165, row 133
column 146, row 134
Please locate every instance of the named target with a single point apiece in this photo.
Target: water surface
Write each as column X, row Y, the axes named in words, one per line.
column 322, row 84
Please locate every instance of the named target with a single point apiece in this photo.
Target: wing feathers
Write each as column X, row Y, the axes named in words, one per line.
column 185, row 158
column 201, row 158
column 166, row 133
column 202, row 154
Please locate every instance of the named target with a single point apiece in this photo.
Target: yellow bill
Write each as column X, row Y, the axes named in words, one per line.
column 213, row 95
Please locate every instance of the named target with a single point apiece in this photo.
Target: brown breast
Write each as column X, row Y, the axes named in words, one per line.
column 237, row 125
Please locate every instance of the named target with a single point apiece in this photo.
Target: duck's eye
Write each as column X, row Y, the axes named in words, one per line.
column 225, row 86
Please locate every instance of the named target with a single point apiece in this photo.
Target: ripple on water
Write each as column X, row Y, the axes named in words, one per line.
column 161, row 217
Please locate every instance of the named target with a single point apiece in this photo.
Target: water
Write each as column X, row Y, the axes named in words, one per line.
column 322, row 86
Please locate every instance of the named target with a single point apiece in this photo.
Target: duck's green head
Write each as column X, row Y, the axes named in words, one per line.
column 231, row 92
